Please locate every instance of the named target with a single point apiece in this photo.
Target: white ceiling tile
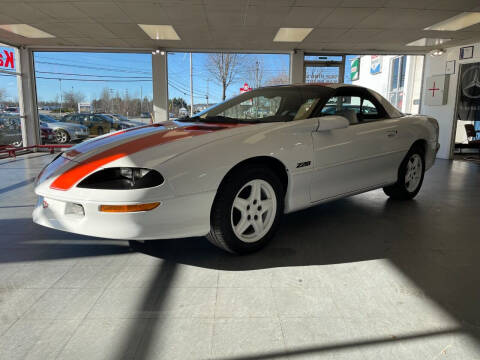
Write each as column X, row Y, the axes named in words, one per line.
column 388, row 18
column 123, row 30
column 306, row 16
column 60, row 11
column 363, row 3
column 319, row 3
column 25, row 13
column 181, row 15
column 255, row 16
column 346, row 17
column 103, row 11
column 324, row 35
column 145, row 12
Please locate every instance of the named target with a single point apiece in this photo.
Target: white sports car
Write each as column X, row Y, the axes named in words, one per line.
column 232, row 171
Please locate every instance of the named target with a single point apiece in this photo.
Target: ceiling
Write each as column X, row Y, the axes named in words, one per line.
column 368, row 26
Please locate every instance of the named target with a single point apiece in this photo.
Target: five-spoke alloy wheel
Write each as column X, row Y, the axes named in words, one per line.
column 247, row 210
column 253, row 210
column 410, row 175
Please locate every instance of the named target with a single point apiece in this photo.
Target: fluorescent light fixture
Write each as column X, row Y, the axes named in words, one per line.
column 428, row 42
column 292, row 34
column 160, row 32
column 26, row 31
column 457, row 22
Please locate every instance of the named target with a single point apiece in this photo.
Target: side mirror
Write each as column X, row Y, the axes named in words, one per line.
column 331, row 122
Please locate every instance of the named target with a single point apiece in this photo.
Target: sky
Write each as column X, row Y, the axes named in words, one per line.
column 90, row 73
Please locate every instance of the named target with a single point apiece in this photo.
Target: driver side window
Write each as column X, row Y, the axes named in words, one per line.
column 346, row 106
column 254, row 108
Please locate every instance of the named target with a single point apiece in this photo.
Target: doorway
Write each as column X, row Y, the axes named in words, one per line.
column 324, row 68
column 466, row 124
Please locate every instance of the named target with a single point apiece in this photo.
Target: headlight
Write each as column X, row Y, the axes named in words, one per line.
column 122, row 179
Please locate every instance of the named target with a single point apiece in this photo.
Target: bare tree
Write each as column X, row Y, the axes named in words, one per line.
column 281, row 78
column 254, row 73
column 72, row 98
column 2, row 94
column 224, row 68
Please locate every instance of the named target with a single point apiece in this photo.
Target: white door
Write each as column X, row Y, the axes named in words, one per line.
column 364, row 155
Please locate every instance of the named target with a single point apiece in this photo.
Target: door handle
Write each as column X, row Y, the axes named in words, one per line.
column 392, row 133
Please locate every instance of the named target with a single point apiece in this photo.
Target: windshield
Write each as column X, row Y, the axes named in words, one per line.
column 271, row 104
column 48, row 119
column 120, row 117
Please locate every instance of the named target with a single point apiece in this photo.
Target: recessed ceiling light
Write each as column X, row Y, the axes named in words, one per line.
column 457, row 22
column 26, row 31
column 428, row 42
column 292, row 34
column 160, row 32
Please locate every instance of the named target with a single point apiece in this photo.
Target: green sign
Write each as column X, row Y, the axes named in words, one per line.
column 355, row 69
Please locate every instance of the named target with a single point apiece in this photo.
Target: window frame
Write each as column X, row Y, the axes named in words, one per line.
column 402, row 66
column 364, row 94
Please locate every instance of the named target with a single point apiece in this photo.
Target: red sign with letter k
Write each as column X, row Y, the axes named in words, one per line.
column 6, row 59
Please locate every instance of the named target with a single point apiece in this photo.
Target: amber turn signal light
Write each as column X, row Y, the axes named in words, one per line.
column 128, row 208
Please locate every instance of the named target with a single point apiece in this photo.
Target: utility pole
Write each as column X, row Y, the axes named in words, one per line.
column 257, row 85
column 141, row 99
column 191, row 86
column 61, row 96
column 207, row 91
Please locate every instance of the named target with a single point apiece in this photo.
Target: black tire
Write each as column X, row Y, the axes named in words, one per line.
column 399, row 190
column 61, row 136
column 99, row 131
column 221, row 231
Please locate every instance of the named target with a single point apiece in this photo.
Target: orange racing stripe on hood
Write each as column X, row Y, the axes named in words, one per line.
column 71, row 176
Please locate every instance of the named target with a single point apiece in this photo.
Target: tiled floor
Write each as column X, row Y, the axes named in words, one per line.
column 359, row 278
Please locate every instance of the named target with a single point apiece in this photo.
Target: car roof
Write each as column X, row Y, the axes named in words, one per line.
column 389, row 108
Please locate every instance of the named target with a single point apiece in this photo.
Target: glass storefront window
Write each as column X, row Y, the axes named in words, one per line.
column 10, row 124
column 82, row 95
column 217, row 76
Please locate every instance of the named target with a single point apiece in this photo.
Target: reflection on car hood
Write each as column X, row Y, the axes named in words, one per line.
column 93, row 154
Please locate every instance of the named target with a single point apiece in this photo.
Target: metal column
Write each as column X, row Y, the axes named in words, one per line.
column 27, row 97
column 160, row 86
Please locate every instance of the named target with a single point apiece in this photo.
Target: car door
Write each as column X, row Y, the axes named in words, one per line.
column 355, row 158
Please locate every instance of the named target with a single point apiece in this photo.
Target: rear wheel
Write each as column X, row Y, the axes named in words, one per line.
column 247, row 210
column 410, row 176
column 61, row 136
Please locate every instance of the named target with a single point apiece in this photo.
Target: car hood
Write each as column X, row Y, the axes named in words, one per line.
column 167, row 140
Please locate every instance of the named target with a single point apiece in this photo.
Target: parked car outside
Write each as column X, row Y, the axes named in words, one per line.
column 64, row 132
column 97, row 124
column 47, row 135
column 10, row 130
column 120, row 122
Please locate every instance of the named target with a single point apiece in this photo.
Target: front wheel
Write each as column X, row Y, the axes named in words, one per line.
column 410, row 176
column 61, row 136
column 247, row 210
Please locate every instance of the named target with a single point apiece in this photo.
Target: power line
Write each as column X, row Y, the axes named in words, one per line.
column 100, row 80
column 94, row 67
column 92, row 75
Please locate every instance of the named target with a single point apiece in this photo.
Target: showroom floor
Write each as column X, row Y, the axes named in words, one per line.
column 359, row 278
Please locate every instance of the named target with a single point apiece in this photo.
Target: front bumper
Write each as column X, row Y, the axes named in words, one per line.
column 175, row 218
column 78, row 135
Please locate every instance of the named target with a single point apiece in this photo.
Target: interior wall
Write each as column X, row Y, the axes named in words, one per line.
column 435, row 65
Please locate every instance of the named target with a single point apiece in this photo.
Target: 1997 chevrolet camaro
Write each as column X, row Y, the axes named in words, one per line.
column 232, row 171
